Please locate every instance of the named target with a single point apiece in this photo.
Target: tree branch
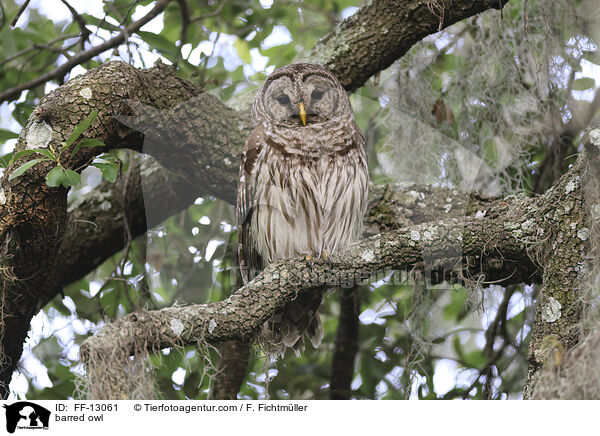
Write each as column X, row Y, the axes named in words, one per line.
column 346, row 345
column 505, row 246
column 13, row 23
column 85, row 33
column 499, row 244
column 60, row 71
column 383, row 31
column 561, row 301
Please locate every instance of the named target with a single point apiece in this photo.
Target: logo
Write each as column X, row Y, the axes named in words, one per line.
column 26, row 415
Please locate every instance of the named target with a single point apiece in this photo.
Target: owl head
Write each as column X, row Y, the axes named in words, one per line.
column 300, row 95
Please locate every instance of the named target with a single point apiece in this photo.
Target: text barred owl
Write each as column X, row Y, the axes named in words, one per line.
column 302, row 186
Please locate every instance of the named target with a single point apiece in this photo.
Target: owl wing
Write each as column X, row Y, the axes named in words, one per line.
column 250, row 260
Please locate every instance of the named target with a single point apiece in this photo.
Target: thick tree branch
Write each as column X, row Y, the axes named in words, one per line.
column 365, row 43
column 500, row 244
column 505, row 245
column 570, row 225
column 384, row 30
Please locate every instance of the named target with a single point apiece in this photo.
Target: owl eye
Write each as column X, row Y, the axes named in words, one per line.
column 283, row 99
column 317, row 94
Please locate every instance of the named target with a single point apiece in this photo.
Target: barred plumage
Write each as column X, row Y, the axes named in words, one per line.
column 303, row 183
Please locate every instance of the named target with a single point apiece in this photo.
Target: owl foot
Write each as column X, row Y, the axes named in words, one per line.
column 325, row 256
column 309, row 262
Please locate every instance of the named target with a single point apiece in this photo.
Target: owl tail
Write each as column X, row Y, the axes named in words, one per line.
column 298, row 319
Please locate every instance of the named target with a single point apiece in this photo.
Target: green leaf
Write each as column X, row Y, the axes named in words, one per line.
column 456, row 308
column 5, row 135
column 71, row 178
column 46, row 152
column 88, row 142
column 22, row 112
column 5, row 160
column 592, row 56
column 243, row 50
column 583, row 84
column 158, row 42
column 19, row 154
column 109, row 170
column 91, row 142
column 19, row 171
column 54, row 177
column 94, row 21
column 80, row 128
column 475, row 358
column 59, row 176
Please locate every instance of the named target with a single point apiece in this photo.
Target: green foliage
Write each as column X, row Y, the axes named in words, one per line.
column 16, row 173
column 62, row 176
column 59, row 175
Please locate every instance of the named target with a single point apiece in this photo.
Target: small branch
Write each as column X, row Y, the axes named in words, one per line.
column 34, row 47
column 127, row 14
column 3, row 12
column 210, row 14
column 496, row 329
column 19, row 13
column 244, row 312
column 85, row 33
column 231, row 370
column 383, row 31
column 83, row 56
column 185, row 21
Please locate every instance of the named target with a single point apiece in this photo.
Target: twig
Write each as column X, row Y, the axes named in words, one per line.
column 496, row 327
column 185, row 21
column 205, row 61
column 124, row 18
column 85, row 33
column 210, row 14
column 34, row 47
column 21, row 10
column 83, row 56
column 3, row 19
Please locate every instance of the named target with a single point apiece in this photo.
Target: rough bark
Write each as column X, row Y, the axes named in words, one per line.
column 384, row 30
column 502, row 244
column 507, row 244
column 232, row 367
column 566, row 222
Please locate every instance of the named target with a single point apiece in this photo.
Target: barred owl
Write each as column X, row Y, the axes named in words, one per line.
column 302, row 185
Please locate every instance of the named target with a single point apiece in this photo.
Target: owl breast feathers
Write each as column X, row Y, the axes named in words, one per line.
column 303, row 184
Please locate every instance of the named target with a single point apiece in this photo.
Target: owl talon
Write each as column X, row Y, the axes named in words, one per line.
column 309, row 262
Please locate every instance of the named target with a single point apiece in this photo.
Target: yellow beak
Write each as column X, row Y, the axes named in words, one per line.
column 302, row 113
